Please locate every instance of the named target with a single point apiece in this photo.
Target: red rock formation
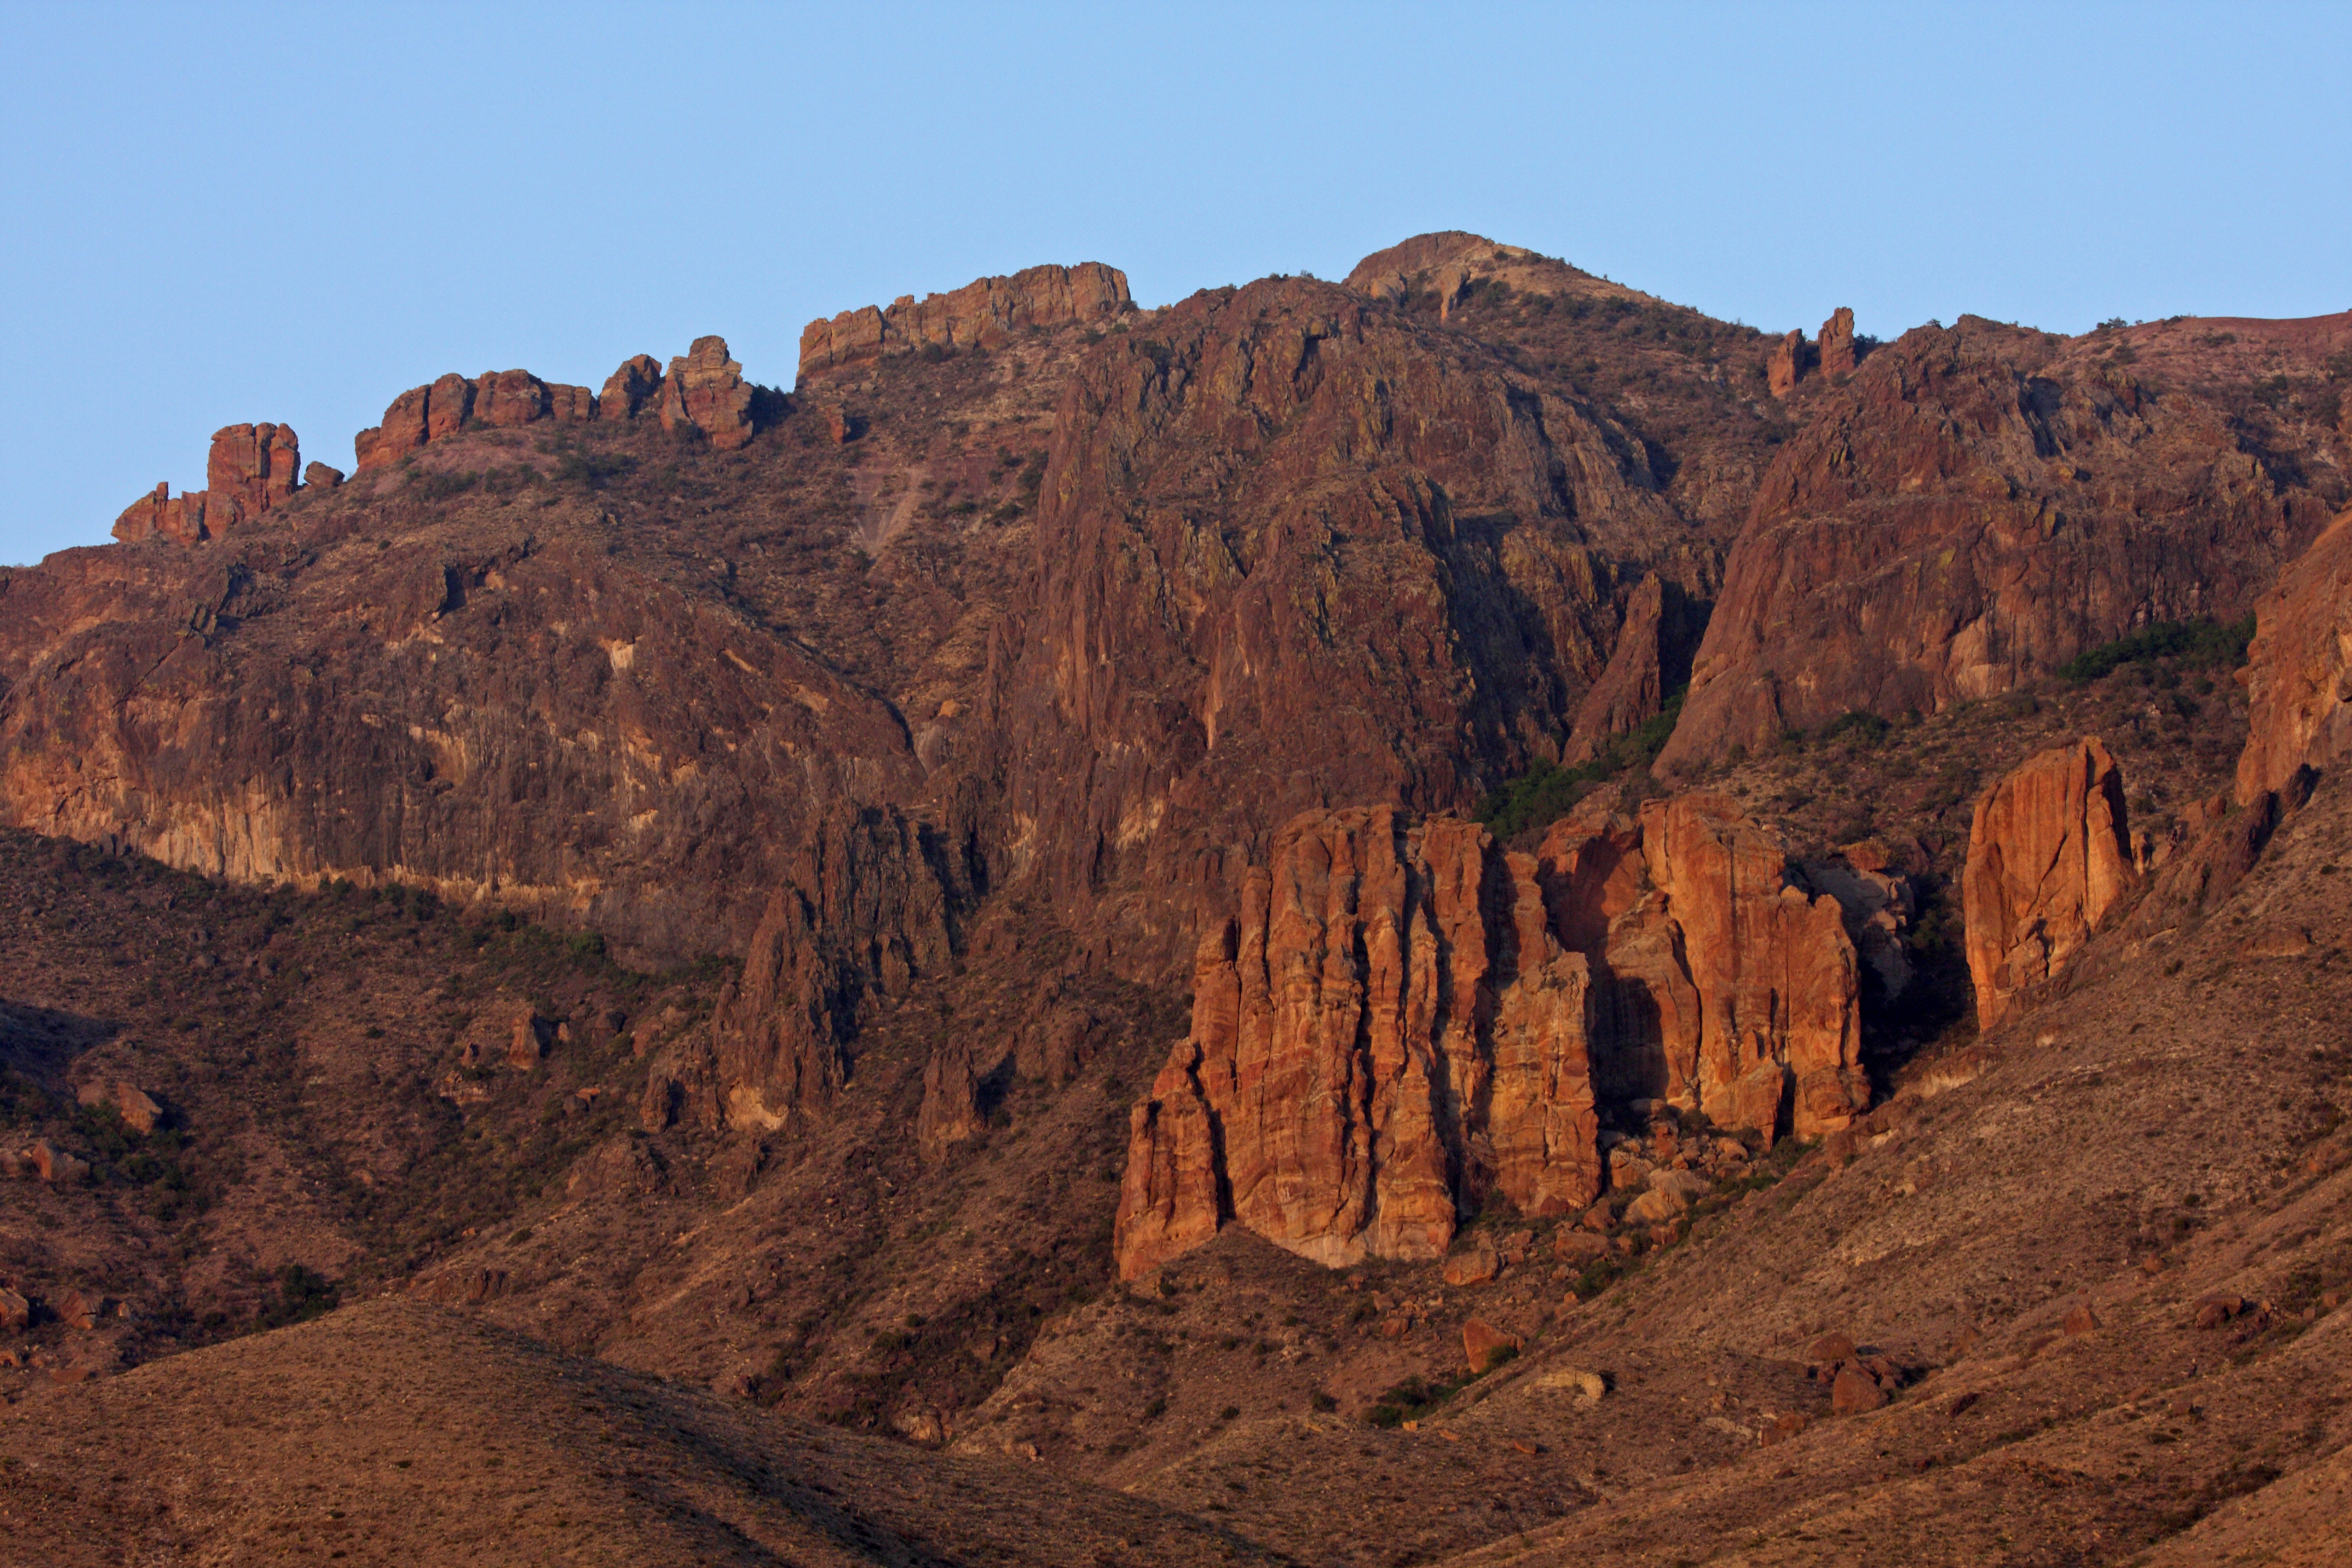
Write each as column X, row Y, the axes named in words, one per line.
column 1650, row 662
column 2049, row 855
column 505, row 398
column 861, row 914
column 449, row 404
column 1369, row 1039
column 705, row 389
column 500, row 399
column 1447, row 264
column 984, row 314
column 251, row 468
column 321, row 475
column 159, row 516
column 2298, row 674
column 1787, row 364
column 633, row 387
column 1404, row 1017
column 1837, row 344
column 1728, row 989
column 1977, row 506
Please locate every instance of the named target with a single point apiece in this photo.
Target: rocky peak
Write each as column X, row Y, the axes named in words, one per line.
column 2049, row 855
column 706, row 390
column 1837, row 344
column 982, row 314
column 1449, row 264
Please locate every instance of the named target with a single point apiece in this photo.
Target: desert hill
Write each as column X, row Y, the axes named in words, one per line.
column 1149, row 891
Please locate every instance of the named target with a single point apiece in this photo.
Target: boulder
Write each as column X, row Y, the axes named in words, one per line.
column 2080, row 1320
column 81, row 1309
column 1855, row 1391
column 706, row 390
column 529, row 1041
column 2049, row 855
column 1837, row 344
column 950, row 1110
column 321, row 477
column 1484, row 1346
column 506, row 398
column 1659, row 1206
column 2298, row 673
column 55, row 1166
column 1589, row 1387
column 1830, row 1348
column 1477, row 1264
column 15, row 1312
column 138, row 1111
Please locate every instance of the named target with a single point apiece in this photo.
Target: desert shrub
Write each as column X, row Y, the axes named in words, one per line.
column 2197, row 644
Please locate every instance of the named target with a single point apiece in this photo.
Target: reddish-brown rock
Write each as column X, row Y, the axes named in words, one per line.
column 449, row 404
column 1449, row 264
column 705, row 389
column 1787, row 364
column 950, row 1109
column 1484, row 1346
column 181, row 521
column 321, row 475
column 637, row 385
column 1476, row 1264
column 2298, row 674
column 1402, row 1015
column 1372, row 1017
column 1837, row 344
column 2049, row 855
column 1722, row 985
column 251, row 468
column 505, row 398
column 1978, row 505
column 137, row 1109
column 15, row 1312
column 982, row 314
column 1650, row 661
column 1854, row 1392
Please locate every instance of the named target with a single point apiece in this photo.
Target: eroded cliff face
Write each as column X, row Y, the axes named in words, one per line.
column 2298, row 673
column 2049, row 858
column 1403, row 1021
column 1295, row 551
column 1978, row 504
column 982, row 314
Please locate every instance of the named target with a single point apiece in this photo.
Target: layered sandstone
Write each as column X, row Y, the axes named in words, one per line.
column 2048, row 856
column 1403, row 1020
column 982, row 314
column 2298, row 674
column 1978, row 505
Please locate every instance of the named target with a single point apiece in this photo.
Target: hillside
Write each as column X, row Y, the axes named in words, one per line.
column 1347, row 921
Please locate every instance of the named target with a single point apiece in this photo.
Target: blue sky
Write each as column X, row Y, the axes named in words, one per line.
column 215, row 217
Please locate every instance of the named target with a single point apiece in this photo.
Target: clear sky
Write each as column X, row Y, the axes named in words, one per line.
column 227, row 214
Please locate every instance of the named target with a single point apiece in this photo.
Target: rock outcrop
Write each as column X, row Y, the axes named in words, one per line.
column 1448, row 265
column 2298, row 674
column 1837, row 344
column 2048, row 856
column 1403, row 1019
column 1787, row 365
column 984, row 314
column 1726, row 986
column 1650, row 663
column 705, row 391
column 1385, row 1025
column 250, row 469
column 1978, row 505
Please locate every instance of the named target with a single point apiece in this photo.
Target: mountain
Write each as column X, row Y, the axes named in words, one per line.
column 1462, row 913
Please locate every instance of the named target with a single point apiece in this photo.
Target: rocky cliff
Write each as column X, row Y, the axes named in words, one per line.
column 1403, row 1022
column 1978, row 504
column 2299, row 670
column 250, row 469
column 2048, row 856
column 984, row 314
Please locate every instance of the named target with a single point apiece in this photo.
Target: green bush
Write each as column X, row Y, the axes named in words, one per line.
column 2197, row 644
